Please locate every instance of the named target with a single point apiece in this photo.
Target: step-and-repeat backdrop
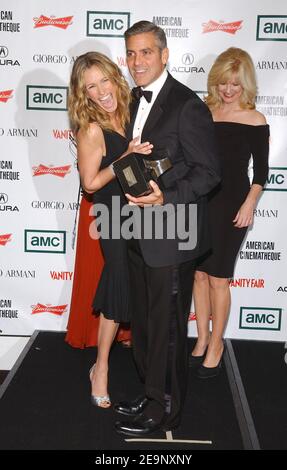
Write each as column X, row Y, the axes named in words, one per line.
column 39, row 41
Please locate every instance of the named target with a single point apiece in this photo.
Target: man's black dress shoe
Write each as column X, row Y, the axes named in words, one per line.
column 139, row 426
column 133, row 408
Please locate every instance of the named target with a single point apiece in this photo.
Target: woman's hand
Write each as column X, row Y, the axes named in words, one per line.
column 136, row 147
column 244, row 216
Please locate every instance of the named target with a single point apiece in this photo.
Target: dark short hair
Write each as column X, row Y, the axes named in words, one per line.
column 147, row 27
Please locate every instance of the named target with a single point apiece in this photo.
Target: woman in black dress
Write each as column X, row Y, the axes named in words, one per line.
column 241, row 133
column 99, row 112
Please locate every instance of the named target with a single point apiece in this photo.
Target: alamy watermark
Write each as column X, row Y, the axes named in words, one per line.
column 156, row 222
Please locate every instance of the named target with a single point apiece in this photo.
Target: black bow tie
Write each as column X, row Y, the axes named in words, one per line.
column 138, row 92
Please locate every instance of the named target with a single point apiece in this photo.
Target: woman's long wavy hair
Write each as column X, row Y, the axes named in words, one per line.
column 232, row 61
column 82, row 110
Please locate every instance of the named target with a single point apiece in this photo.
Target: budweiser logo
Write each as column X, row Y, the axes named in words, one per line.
column 62, row 23
column 230, row 28
column 56, row 310
column 60, row 171
column 5, row 95
column 5, row 238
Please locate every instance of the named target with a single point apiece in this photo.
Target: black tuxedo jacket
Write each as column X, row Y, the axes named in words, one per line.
column 180, row 124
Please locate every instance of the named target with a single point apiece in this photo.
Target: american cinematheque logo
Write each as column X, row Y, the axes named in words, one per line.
column 107, row 23
column 260, row 318
column 47, row 98
column 271, row 28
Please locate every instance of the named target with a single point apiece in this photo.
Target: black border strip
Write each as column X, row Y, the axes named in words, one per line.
column 243, row 413
column 17, row 364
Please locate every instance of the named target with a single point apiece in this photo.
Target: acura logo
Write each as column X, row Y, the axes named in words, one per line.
column 187, row 59
column 3, row 198
column 3, row 51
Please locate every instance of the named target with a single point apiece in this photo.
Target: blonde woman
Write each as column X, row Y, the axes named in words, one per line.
column 99, row 112
column 241, row 133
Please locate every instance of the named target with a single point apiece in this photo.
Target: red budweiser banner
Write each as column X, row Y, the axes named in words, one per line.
column 60, row 171
column 5, row 238
column 230, row 28
column 5, row 95
column 62, row 23
column 56, row 310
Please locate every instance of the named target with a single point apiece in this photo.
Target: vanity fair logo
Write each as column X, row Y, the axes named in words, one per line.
column 61, row 23
column 48, row 308
column 61, row 275
column 5, row 238
column 60, row 171
column 62, row 134
column 5, row 95
column 230, row 28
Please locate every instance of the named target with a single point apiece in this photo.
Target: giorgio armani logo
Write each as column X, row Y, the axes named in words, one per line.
column 107, row 23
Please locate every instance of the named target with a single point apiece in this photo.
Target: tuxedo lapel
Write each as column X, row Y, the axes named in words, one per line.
column 133, row 112
column 157, row 108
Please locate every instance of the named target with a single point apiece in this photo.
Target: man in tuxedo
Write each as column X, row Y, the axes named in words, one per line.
column 179, row 124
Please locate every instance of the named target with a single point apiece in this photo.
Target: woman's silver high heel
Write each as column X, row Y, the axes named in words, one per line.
column 100, row 401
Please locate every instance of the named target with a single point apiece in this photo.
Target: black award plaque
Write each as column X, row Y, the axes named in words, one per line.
column 135, row 171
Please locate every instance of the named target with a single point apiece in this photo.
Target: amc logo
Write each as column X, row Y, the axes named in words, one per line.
column 277, row 179
column 107, row 23
column 256, row 318
column 47, row 98
column 271, row 28
column 45, row 241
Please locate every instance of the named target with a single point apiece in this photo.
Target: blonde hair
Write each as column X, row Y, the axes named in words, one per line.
column 232, row 61
column 82, row 110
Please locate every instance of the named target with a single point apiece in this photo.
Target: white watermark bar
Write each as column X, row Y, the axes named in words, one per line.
column 167, row 222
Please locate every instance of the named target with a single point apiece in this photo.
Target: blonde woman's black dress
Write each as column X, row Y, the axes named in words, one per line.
column 237, row 143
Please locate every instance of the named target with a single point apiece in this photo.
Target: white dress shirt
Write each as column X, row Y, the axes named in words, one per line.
column 145, row 107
